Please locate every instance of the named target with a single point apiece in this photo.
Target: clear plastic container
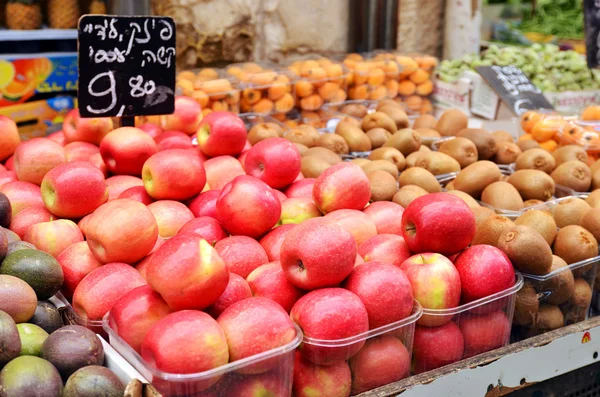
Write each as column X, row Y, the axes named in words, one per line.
column 218, row 382
column 353, row 349
column 444, row 336
column 253, row 119
column 73, row 318
column 211, row 88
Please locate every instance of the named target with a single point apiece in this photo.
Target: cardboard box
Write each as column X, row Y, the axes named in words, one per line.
column 39, row 118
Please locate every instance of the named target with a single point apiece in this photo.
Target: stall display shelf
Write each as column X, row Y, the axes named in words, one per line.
column 37, row 34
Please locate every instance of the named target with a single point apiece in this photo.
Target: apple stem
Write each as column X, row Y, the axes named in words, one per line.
column 301, row 266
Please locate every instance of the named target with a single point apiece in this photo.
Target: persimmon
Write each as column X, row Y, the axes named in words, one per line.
column 263, row 106
column 546, row 128
column 285, row 103
column 549, row 145
column 312, row 102
column 377, row 93
column 406, row 88
column 591, row 113
column 419, row 76
column 358, row 92
column 425, row 88
column 529, row 119
column 304, row 88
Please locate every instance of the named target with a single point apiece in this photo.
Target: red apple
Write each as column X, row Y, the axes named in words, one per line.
column 484, row 333
column 35, row 157
column 92, row 130
column 253, row 326
column 10, row 163
column 434, row 347
column 9, row 137
column 124, row 150
column 82, row 224
column 22, row 195
column 359, row 261
column 317, row 253
column 29, row 217
column 273, row 240
column 73, row 190
column 269, row 384
column 297, row 210
column 221, row 133
column 2, row 168
column 188, row 272
column 119, row 183
column 208, row 228
column 342, row 186
column 54, row 236
column 137, row 193
column 121, row 231
column 221, row 170
column 384, row 359
column 384, row 290
column 170, row 216
column 77, row 261
column 58, row 137
column 242, row 254
column 247, row 206
column 386, row 248
column 387, row 216
column 242, row 158
column 237, row 290
column 280, row 195
column 430, row 224
column 275, row 161
column 268, row 281
column 173, row 140
column 301, row 188
column 205, row 204
column 102, row 288
column 311, row 380
column 152, row 129
column 135, row 314
column 6, row 177
column 80, row 151
column 96, row 160
column 359, row 225
column 330, row 314
column 174, row 174
column 186, row 117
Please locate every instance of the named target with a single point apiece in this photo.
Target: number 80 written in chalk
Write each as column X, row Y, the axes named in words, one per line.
column 138, row 88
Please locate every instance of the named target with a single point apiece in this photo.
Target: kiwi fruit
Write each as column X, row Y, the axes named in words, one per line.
column 595, row 180
column 333, row 142
column 476, row 177
column 437, row 163
column 490, row 230
column 424, row 148
column 451, row 122
column 360, row 161
column 390, row 154
column 481, row 214
column 425, row 121
column 560, row 286
column 383, row 165
column 527, row 144
column 531, row 203
column 570, row 153
column 405, row 140
column 388, row 102
column 593, row 199
column 526, row 305
column 548, row 318
column 502, row 195
column 356, row 139
column 536, row 159
column 542, row 221
column 383, row 185
column 378, row 119
column 507, row 153
column 574, row 244
column 304, row 134
column 420, row 177
column 378, row 137
column 412, row 158
column 485, row 142
column 397, row 114
column 595, row 166
column 313, row 166
column 352, row 121
column 570, row 211
column 470, row 201
column 450, row 185
column 262, row 131
column 580, row 302
column 502, row 136
column 427, row 133
column 355, row 110
column 461, row 149
column 574, row 175
column 533, row 184
column 527, row 249
column 324, row 153
column 301, row 148
column 591, row 222
column 407, row 194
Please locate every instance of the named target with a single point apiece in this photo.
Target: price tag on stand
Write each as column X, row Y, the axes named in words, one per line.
column 591, row 17
column 126, row 66
column 514, row 88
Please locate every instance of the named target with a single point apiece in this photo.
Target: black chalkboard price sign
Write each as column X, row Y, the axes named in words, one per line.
column 126, row 66
column 591, row 16
column 514, row 88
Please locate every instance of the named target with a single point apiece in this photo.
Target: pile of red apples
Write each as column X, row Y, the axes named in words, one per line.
column 211, row 253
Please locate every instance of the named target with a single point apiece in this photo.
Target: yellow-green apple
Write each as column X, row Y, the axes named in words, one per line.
column 297, row 210
column 174, row 174
column 434, row 347
column 135, row 313
column 83, row 223
column 261, row 321
column 29, row 217
column 237, row 290
column 273, row 240
column 435, row 284
column 22, row 195
column 54, row 236
column 242, row 254
column 187, row 271
column 137, row 193
column 185, row 118
column 270, row 384
column 330, row 314
column 76, row 261
column 386, row 248
column 387, row 216
column 98, row 291
column 275, row 161
column 384, row 359
column 248, row 206
column 312, row 380
column 5, row 211
column 35, row 157
column 121, row 231
column 221, row 170
column 205, row 204
column 9, row 137
column 429, row 224
column 58, row 137
column 359, row 225
column 92, row 130
column 221, row 133
column 74, row 189
column 208, row 228
column 173, row 140
column 384, row 290
column 317, row 253
column 80, row 151
column 9, row 164
column 6, row 177
column 96, row 160
column 301, row 188
column 170, row 216
column 485, row 332
column 117, row 184
column 124, row 150
column 268, row 281
column 342, row 186
column 151, row 129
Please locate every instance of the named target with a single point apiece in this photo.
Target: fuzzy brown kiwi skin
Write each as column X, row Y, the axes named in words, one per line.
column 536, row 159
column 527, row 249
column 507, row 153
column 526, row 305
column 559, row 287
column 549, row 317
column 483, row 139
column 533, row 184
column 570, row 212
column 574, row 175
column 580, row 302
column 575, row 244
column 542, row 221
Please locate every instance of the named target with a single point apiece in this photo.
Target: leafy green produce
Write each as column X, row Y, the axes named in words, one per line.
column 561, row 18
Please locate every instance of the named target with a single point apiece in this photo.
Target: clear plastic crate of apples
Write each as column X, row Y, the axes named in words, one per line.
column 211, row 88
